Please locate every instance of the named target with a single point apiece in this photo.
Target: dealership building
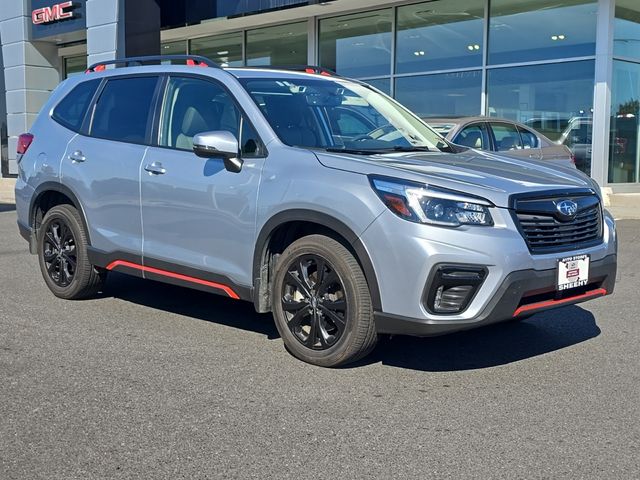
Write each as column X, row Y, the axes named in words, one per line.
column 568, row 68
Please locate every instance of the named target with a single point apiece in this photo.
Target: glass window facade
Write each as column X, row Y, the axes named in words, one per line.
column 555, row 99
column 382, row 84
column 441, row 95
column 531, row 30
column 74, row 65
column 624, row 151
column 357, row 45
column 174, row 48
column 546, row 97
column 224, row 49
column 528, row 60
column 439, row 35
column 624, row 135
column 279, row 45
column 626, row 40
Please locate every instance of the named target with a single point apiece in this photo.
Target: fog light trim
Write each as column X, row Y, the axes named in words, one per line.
column 450, row 288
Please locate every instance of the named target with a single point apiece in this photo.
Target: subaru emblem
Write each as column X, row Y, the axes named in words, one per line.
column 568, row 208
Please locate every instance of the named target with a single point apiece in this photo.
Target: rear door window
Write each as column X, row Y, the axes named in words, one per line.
column 71, row 111
column 123, row 110
column 506, row 137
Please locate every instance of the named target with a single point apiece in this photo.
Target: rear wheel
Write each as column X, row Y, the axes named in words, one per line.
column 62, row 254
column 321, row 303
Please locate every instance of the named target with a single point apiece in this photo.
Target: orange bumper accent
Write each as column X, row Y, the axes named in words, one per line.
column 598, row 292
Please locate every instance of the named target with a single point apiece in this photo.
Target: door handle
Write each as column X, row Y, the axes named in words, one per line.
column 155, row 168
column 77, row 157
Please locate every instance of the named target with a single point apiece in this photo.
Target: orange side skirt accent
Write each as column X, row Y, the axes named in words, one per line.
column 179, row 276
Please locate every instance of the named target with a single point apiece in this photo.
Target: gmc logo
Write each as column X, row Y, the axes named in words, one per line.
column 51, row 14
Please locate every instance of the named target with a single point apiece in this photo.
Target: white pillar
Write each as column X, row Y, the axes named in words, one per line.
column 31, row 71
column 105, row 30
column 602, row 91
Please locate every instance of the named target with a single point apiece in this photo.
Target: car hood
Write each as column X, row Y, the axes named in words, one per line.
column 484, row 174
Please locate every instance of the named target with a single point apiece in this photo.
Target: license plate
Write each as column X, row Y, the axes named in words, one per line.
column 573, row 272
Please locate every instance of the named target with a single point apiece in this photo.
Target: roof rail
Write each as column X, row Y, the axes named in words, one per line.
column 194, row 60
column 299, row 68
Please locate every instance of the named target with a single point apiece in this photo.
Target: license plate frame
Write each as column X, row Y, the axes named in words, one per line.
column 572, row 272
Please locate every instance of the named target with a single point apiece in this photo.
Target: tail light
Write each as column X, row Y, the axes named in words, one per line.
column 24, row 141
column 573, row 158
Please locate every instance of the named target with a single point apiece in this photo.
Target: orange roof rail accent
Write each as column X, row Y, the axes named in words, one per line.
column 194, row 60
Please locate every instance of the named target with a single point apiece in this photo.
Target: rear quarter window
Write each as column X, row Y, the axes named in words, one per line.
column 529, row 139
column 70, row 112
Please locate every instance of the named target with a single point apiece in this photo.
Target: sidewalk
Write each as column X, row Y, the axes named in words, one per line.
column 625, row 213
column 6, row 190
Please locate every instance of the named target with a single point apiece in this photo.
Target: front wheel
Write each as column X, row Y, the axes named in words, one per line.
column 321, row 303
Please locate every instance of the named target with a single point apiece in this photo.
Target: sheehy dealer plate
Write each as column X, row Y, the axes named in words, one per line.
column 573, row 272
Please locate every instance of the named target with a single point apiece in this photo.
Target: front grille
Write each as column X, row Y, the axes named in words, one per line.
column 544, row 233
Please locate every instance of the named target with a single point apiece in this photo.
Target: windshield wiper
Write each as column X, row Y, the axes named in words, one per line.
column 378, row 151
column 357, row 151
column 412, row 148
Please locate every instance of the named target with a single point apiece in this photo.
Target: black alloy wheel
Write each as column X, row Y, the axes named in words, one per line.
column 59, row 252
column 321, row 302
column 314, row 302
column 63, row 256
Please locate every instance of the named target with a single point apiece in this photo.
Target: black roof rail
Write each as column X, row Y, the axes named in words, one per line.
column 194, row 60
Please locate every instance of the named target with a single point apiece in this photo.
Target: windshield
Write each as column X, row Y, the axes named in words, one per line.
column 337, row 114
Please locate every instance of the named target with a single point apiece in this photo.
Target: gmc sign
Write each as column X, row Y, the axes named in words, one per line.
column 52, row 14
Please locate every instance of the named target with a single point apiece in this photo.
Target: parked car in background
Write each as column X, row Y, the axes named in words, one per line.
column 551, row 127
column 500, row 135
column 577, row 137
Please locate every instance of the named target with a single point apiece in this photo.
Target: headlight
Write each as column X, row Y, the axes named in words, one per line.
column 422, row 204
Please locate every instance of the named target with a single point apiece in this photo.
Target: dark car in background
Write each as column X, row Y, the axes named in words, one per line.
column 501, row 135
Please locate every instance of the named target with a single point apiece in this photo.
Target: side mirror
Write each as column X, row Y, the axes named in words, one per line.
column 219, row 143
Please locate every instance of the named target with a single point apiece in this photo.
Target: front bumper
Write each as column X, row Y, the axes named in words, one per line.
column 404, row 256
column 521, row 294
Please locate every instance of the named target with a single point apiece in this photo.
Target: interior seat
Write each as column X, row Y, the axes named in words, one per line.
column 472, row 139
column 198, row 120
column 287, row 115
column 509, row 143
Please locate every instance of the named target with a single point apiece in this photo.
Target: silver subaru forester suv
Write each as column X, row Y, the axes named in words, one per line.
column 317, row 198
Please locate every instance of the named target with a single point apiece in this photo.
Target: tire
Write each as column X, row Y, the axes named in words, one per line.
column 326, row 321
column 62, row 255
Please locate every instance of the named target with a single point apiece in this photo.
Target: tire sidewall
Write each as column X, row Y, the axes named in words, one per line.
column 341, row 350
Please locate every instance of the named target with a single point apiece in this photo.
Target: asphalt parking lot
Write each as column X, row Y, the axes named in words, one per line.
column 154, row 381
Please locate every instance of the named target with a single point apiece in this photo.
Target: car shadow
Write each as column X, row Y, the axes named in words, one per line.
column 489, row 346
column 191, row 303
column 473, row 349
column 7, row 207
